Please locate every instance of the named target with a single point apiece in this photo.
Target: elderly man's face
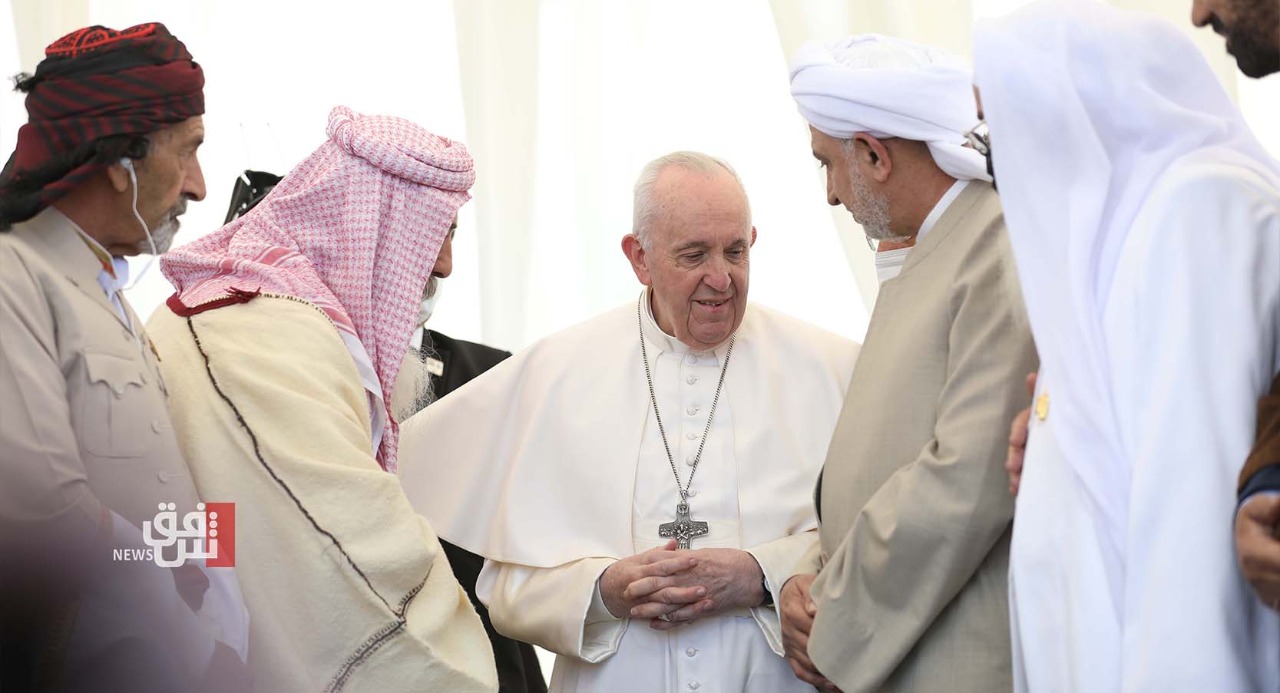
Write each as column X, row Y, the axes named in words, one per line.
column 847, row 185
column 168, row 177
column 1252, row 30
column 698, row 261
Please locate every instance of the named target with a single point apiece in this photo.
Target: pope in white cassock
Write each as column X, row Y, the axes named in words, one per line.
column 1145, row 220
column 686, row 417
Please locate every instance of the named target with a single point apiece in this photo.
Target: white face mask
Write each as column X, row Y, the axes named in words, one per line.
column 428, row 305
column 889, row 263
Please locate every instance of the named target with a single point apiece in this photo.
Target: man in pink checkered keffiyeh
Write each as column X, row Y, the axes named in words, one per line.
column 354, row 229
column 280, row 350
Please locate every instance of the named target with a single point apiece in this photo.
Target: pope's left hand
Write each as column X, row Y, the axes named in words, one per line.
column 732, row 579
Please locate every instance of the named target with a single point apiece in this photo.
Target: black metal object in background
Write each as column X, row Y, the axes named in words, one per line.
column 250, row 188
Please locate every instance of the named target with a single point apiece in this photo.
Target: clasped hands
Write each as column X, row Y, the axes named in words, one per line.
column 671, row 588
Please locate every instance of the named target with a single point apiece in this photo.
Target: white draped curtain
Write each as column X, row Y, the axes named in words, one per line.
column 561, row 102
column 565, row 104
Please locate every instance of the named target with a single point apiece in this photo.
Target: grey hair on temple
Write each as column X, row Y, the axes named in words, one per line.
column 647, row 208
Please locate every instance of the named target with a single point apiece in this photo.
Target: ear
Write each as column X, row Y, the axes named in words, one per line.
column 753, row 237
column 872, row 157
column 119, row 177
column 638, row 258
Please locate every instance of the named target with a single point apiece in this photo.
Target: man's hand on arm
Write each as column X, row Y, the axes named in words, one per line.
column 1018, row 441
column 796, row 611
column 632, row 582
column 1257, row 546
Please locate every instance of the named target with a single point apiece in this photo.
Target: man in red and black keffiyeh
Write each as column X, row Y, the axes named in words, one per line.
column 96, row 98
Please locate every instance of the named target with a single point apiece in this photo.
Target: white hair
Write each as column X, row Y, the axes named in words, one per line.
column 412, row 391
column 646, row 209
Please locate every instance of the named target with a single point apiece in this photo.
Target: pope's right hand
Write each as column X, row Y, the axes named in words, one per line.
column 624, row 585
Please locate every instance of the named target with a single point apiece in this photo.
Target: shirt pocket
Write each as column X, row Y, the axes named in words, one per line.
column 114, row 412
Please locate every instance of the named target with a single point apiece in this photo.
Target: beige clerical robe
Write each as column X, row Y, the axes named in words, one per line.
column 347, row 587
column 915, row 511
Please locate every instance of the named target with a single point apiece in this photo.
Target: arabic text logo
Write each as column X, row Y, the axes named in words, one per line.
column 208, row 533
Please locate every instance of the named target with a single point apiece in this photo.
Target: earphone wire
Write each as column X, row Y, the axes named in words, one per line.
column 133, row 179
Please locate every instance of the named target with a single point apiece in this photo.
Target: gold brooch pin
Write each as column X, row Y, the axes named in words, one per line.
column 1042, row 406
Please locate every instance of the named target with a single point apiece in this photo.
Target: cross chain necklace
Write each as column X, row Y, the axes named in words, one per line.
column 682, row 529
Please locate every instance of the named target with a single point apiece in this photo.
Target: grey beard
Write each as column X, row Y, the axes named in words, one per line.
column 165, row 232
column 412, row 391
column 874, row 210
column 163, row 236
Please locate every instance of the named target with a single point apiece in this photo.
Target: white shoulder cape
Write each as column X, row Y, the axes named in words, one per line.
column 534, row 462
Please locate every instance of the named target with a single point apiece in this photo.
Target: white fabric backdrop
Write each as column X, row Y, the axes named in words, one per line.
column 561, row 101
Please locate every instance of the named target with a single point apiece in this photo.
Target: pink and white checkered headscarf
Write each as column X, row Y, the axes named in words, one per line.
column 355, row 229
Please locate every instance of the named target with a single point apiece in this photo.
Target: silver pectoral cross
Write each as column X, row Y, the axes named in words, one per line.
column 683, row 528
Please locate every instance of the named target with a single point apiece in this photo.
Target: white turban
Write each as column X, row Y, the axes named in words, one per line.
column 887, row 87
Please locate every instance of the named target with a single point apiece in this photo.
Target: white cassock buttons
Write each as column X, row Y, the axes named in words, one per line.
column 689, row 460
column 694, row 685
column 691, row 652
column 693, row 492
column 691, row 435
column 692, row 359
column 692, row 380
column 691, row 411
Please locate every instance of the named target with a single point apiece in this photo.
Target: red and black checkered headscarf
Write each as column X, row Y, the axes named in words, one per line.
column 99, row 82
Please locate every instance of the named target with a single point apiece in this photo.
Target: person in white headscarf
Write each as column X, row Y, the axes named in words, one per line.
column 906, row 590
column 1145, row 218
column 1251, row 29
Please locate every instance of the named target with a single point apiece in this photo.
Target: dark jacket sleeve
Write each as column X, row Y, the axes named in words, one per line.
column 1262, row 468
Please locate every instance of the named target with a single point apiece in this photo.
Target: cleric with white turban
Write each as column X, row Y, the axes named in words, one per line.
column 906, row 591
column 887, row 87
